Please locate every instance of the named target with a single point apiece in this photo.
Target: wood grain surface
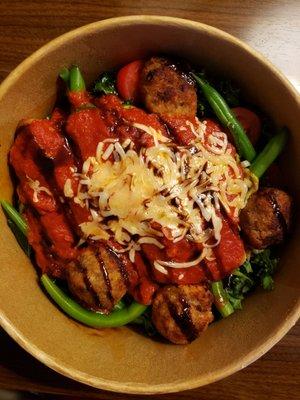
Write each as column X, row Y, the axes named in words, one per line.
column 273, row 28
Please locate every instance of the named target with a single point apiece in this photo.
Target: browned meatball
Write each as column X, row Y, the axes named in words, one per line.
column 96, row 279
column 266, row 218
column 166, row 91
column 181, row 313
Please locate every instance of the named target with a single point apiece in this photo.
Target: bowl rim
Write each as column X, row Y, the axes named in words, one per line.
column 132, row 387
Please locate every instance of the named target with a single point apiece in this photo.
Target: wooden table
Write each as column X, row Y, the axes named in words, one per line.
column 273, row 27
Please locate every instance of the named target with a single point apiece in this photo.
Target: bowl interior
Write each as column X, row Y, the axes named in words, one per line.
column 121, row 359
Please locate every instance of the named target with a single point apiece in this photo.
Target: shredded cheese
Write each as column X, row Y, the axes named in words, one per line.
column 68, row 191
column 170, row 190
column 37, row 188
column 157, row 135
column 172, row 264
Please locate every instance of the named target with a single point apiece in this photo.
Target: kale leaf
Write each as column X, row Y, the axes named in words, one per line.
column 258, row 271
column 227, row 89
column 106, row 83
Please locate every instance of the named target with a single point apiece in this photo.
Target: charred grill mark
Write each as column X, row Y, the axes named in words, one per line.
column 46, row 241
column 46, row 167
column 121, row 266
column 280, row 218
column 73, row 149
column 183, row 319
column 88, row 283
column 105, row 276
column 63, row 154
column 44, row 164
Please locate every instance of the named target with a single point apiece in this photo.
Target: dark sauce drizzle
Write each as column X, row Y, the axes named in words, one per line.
column 88, row 284
column 183, row 319
column 278, row 214
column 105, row 276
column 121, row 266
column 46, row 167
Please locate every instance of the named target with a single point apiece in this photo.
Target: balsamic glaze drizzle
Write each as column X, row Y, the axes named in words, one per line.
column 183, row 319
column 278, row 213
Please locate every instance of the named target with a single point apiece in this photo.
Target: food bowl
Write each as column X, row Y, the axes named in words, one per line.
column 121, row 359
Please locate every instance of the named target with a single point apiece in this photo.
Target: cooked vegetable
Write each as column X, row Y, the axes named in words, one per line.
column 221, row 299
column 64, row 73
column 228, row 91
column 117, row 318
column 17, row 225
column 250, row 122
column 127, row 104
column 14, row 216
column 227, row 118
column 21, row 238
column 264, row 265
column 159, row 199
column 268, row 155
column 145, row 322
column 120, row 316
column 258, row 271
column 128, row 80
column 105, row 84
column 76, row 81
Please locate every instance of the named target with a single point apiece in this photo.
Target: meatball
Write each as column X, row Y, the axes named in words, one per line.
column 266, row 218
column 181, row 313
column 167, row 91
column 96, row 279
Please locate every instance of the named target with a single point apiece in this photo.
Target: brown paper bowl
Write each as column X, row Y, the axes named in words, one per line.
column 122, row 360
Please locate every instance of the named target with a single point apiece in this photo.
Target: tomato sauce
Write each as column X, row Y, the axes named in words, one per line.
column 79, row 99
column 67, row 141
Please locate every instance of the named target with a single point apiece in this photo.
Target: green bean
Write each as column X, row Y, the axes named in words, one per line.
column 120, row 305
column 76, row 81
column 121, row 315
column 221, row 299
column 271, row 151
column 14, row 216
column 21, row 238
column 64, row 73
column 117, row 318
column 227, row 119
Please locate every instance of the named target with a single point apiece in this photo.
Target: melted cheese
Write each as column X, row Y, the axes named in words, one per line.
column 179, row 188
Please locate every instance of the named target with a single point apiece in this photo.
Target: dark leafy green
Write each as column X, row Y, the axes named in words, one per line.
column 21, row 238
column 146, row 323
column 17, row 224
column 228, row 90
column 258, row 271
column 64, row 74
column 127, row 103
column 105, row 84
column 227, row 118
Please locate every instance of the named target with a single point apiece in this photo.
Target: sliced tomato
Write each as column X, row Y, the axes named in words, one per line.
column 250, row 122
column 128, row 80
